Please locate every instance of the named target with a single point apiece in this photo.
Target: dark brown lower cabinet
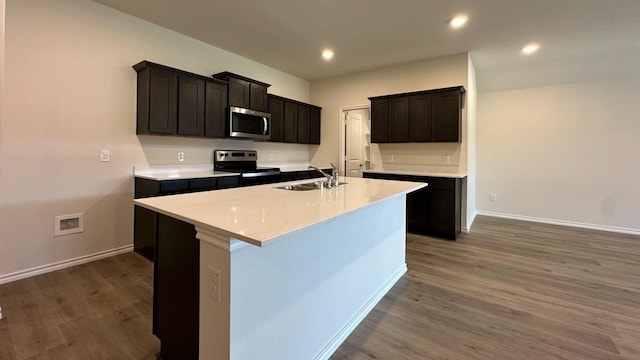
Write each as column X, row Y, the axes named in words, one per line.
column 434, row 210
column 145, row 222
column 176, row 289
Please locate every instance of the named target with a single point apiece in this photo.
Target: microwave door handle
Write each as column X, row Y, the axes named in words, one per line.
column 266, row 124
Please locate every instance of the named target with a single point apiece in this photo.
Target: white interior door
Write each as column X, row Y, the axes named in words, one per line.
column 354, row 147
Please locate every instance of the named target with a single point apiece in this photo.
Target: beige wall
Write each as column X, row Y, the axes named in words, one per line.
column 566, row 153
column 69, row 92
column 350, row 90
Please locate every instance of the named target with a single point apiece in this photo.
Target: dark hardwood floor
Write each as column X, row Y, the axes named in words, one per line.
column 508, row 290
column 99, row 310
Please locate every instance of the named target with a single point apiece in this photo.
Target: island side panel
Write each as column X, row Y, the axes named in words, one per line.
column 215, row 296
column 300, row 298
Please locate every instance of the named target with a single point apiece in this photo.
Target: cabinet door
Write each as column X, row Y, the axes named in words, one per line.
column 290, row 127
column 163, row 101
column 176, row 288
column 446, row 116
column 379, row 120
column 314, row 126
column 258, row 98
column 239, row 92
column 277, row 113
column 303, row 124
column 420, row 122
column 215, row 109
column 418, row 210
column 190, row 106
column 399, row 119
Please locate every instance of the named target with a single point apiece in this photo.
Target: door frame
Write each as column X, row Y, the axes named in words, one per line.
column 343, row 112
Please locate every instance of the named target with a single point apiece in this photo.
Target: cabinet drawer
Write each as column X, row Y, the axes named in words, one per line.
column 227, row 182
column 203, row 184
column 441, row 183
column 288, row 176
column 168, row 187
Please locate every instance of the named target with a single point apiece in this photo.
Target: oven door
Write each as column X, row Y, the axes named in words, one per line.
column 248, row 178
column 249, row 124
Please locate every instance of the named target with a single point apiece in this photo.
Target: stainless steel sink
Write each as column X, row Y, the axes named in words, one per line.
column 300, row 187
column 307, row 186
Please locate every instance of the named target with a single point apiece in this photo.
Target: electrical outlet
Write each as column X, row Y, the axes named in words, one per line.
column 180, row 156
column 446, row 159
column 214, row 283
column 105, row 156
column 492, row 197
column 390, row 158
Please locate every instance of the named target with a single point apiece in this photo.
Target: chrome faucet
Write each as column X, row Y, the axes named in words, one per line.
column 332, row 180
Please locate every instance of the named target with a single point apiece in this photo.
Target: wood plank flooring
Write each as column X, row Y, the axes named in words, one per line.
column 100, row 310
column 508, row 290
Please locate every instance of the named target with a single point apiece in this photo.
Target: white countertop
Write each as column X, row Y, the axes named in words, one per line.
column 454, row 175
column 262, row 214
column 174, row 172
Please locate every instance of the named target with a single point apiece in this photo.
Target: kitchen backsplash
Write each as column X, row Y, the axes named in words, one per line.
column 444, row 157
column 163, row 150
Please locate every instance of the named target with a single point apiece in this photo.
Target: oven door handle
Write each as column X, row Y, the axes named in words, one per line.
column 259, row 174
column 266, row 125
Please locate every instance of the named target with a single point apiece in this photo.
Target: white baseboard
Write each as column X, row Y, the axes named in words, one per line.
column 342, row 335
column 467, row 229
column 562, row 222
column 63, row 264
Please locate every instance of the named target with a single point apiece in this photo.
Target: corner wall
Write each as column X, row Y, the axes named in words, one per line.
column 69, row 92
column 351, row 90
column 565, row 154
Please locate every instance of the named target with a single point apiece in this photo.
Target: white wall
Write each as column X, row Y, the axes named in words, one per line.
column 472, row 144
column 69, row 92
column 566, row 153
column 355, row 89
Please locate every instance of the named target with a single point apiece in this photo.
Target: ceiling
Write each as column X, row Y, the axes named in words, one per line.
column 579, row 40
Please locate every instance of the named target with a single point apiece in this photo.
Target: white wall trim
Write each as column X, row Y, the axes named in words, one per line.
column 470, row 220
column 38, row 270
column 562, row 222
column 342, row 335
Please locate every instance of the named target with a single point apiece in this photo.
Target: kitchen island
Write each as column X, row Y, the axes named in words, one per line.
column 282, row 274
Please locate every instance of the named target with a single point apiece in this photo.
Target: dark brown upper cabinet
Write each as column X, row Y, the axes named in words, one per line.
column 422, row 116
column 175, row 102
column 215, row 109
column 445, row 114
column 191, row 101
column 399, row 119
column 293, row 121
column 244, row 92
column 276, row 109
column 303, row 124
column 157, row 98
column 380, row 120
column 314, row 125
column 290, row 122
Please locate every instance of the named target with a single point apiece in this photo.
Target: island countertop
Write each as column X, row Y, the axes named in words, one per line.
column 453, row 175
column 262, row 214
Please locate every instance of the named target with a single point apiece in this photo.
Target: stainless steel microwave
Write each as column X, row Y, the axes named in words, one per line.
column 249, row 124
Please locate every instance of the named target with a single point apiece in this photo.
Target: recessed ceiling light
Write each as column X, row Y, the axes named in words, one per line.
column 327, row 54
column 458, row 21
column 530, row 49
